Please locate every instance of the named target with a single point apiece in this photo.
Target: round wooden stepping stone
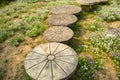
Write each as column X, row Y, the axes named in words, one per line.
column 90, row 2
column 65, row 9
column 62, row 19
column 58, row 34
column 51, row 61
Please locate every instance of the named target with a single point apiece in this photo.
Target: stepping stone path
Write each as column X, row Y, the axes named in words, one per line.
column 55, row 61
column 58, row 34
column 65, row 9
column 62, row 19
column 51, row 61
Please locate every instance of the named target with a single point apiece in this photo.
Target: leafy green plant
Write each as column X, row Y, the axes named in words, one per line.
column 101, row 41
column 35, row 30
column 29, row 1
column 27, row 77
column 15, row 27
column 119, row 74
column 2, row 73
column 110, row 13
column 96, row 25
column 82, row 48
column 87, row 68
column 116, row 44
column 105, row 40
column 114, row 2
column 6, row 61
column 108, row 41
column 98, row 57
column 15, row 41
column 29, row 19
column 2, row 20
column 115, row 53
column 43, row 16
column 5, row 2
column 5, row 34
column 116, row 59
column 99, row 63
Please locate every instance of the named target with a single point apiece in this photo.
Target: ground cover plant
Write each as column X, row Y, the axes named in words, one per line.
column 110, row 12
column 15, row 41
column 87, row 68
column 96, row 39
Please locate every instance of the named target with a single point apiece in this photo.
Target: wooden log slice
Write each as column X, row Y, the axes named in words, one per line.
column 58, row 34
column 51, row 61
column 62, row 20
column 65, row 9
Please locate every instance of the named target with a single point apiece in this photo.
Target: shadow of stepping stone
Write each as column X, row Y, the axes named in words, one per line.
column 58, row 34
column 90, row 2
column 51, row 61
column 65, row 9
column 62, row 19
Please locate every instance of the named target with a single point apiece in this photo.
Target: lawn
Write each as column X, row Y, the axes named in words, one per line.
column 96, row 38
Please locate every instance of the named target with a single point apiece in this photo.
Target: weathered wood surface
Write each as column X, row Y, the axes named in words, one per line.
column 62, row 19
column 90, row 2
column 65, row 9
column 51, row 61
column 58, row 34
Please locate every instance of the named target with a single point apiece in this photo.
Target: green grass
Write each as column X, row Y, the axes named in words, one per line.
column 96, row 25
column 82, row 48
column 27, row 77
column 87, row 68
column 35, row 30
column 5, row 34
column 30, row 25
column 2, row 73
column 110, row 12
column 107, row 42
column 6, row 61
column 15, row 41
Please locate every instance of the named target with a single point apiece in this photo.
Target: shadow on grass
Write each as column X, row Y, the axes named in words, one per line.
column 78, row 29
column 75, row 44
column 74, row 76
column 5, row 2
column 1, row 48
